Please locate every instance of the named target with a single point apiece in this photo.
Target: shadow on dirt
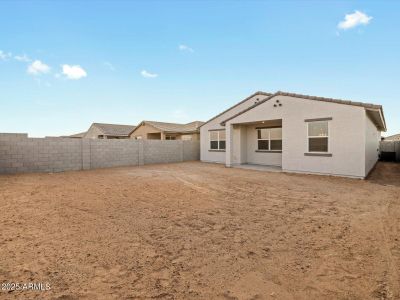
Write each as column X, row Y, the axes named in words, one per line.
column 386, row 173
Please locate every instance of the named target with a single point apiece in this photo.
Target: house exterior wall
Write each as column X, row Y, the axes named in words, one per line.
column 372, row 140
column 143, row 130
column 217, row 156
column 346, row 135
column 93, row 133
column 189, row 137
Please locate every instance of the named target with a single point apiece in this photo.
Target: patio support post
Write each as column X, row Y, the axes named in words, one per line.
column 229, row 145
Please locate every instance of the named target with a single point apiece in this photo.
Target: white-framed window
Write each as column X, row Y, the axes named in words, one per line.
column 318, row 136
column 269, row 139
column 170, row 137
column 217, row 140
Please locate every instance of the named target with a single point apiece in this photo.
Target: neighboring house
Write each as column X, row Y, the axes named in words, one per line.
column 296, row 132
column 109, row 131
column 395, row 137
column 152, row 130
column 76, row 135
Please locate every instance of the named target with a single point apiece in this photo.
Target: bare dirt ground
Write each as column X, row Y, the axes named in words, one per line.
column 201, row 231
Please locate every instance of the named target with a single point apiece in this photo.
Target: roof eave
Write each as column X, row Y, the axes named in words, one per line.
column 244, row 100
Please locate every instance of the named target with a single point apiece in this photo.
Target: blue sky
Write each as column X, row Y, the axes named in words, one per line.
column 66, row 64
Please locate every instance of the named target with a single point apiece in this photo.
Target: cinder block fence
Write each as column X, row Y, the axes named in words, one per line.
column 19, row 153
column 390, row 149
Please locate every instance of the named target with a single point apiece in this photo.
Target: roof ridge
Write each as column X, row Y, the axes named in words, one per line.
column 163, row 122
column 113, row 124
column 235, row 105
column 316, row 98
column 283, row 93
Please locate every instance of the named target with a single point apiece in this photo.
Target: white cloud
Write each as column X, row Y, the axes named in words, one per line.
column 185, row 48
column 5, row 56
column 146, row 74
column 23, row 58
column 355, row 19
column 73, row 72
column 109, row 65
column 37, row 68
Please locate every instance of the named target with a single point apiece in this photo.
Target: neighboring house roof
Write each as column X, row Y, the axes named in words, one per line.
column 368, row 106
column 114, row 129
column 237, row 104
column 395, row 137
column 77, row 135
column 173, row 127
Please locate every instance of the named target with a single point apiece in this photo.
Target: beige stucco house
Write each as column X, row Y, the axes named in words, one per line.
column 108, row 131
column 153, row 130
column 297, row 133
column 395, row 138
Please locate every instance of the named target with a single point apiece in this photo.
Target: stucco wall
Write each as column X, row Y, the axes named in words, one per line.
column 346, row 134
column 143, row 130
column 372, row 139
column 212, row 156
column 19, row 154
column 93, row 132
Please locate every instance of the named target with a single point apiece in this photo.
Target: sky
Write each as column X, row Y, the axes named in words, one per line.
column 66, row 64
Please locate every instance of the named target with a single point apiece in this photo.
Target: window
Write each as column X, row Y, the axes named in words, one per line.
column 170, row 137
column 318, row 136
column 217, row 140
column 269, row 139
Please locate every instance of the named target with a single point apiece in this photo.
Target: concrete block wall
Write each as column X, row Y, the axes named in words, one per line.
column 19, row 154
column 162, row 151
column 391, row 146
column 113, row 153
column 191, row 150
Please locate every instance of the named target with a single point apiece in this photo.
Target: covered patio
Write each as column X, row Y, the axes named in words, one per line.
column 255, row 144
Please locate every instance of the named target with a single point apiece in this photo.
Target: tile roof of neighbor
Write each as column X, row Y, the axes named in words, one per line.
column 395, row 137
column 332, row 100
column 174, row 127
column 114, row 129
column 78, row 135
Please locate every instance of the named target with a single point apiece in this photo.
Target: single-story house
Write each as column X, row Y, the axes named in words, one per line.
column 297, row 133
column 79, row 135
column 153, row 130
column 109, row 131
column 395, row 138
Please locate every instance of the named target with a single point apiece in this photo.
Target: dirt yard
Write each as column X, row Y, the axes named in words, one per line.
column 201, row 231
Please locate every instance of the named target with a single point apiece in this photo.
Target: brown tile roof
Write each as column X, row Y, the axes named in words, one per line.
column 331, row 100
column 237, row 104
column 174, row 127
column 77, row 135
column 114, row 129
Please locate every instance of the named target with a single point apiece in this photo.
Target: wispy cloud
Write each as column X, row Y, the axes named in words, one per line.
column 37, row 67
column 355, row 19
column 74, row 72
column 147, row 74
column 22, row 58
column 109, row 65
column 185, row 48
column 4, row 55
